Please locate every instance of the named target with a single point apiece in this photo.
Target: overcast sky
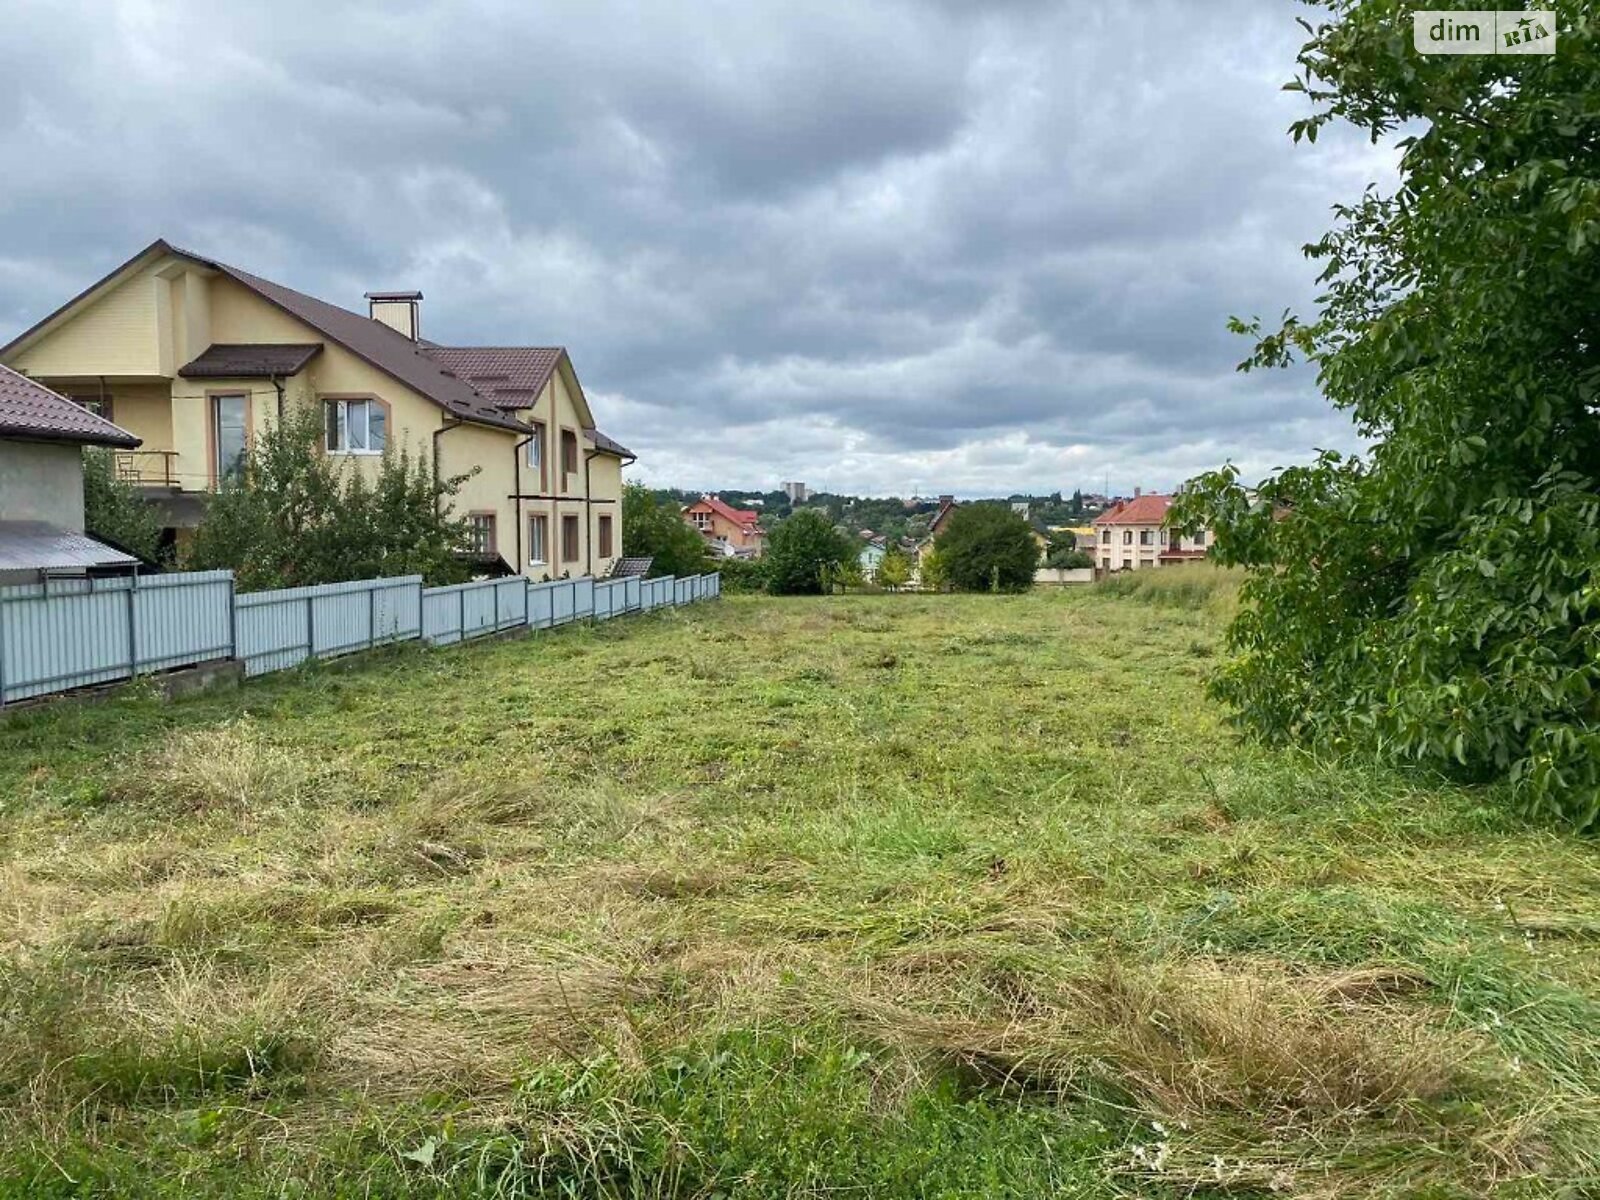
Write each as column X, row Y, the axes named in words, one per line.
column 933, row 245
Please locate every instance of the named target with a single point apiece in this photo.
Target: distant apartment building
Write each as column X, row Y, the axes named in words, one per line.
column 728, row 531
column 1133, row 535
column 797, row 492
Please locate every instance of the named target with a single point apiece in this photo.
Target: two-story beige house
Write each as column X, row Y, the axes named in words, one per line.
column 197, row 358
column 1133, row 535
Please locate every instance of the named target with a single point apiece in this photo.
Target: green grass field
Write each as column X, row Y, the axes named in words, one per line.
column 866, row 896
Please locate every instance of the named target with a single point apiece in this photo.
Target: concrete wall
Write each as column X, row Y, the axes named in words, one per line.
column 1059, row 576
column 42, row 481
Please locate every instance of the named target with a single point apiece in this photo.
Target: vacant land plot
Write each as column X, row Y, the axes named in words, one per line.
column 869, row 896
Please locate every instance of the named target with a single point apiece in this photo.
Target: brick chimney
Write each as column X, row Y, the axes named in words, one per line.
column 400, row 311
column 1137, row 492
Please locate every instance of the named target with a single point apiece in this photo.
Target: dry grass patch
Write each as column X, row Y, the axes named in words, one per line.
column 229, row 767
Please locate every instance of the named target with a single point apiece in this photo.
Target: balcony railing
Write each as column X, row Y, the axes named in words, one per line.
column 148, row 468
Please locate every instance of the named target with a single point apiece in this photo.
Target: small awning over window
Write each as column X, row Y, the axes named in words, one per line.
column 250, row 361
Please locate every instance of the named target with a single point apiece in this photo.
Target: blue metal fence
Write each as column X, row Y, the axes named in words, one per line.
column 66, row 634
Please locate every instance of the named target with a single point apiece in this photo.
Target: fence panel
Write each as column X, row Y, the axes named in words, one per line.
column 716, row 584
column 610, row 599
column 75, row 633
column 542, row 604
column 681, row 590
column 582, row 598
column 633, row 594
column 282, row 628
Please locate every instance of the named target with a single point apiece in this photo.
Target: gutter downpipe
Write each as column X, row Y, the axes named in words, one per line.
column 516, row 500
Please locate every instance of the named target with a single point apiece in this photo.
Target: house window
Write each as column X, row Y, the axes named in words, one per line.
column 1127, row 537
column 605, row 537
column 702, row 520
column 1200, row 539
column 229, row 434
column 536, row 448
column 1127, row 564
column 357, row 427
column 480, row 533
column 569, row 539
column 1105, row 564
column 1175, row 538
column 1105, row 539
column 1146, row 538
column 538, row 535
column 569, row 452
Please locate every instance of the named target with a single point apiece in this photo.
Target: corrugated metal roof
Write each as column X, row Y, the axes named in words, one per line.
column 38, row 546
column 30, row 410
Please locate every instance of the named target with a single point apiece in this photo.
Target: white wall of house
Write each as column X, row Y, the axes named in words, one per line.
column 42, row 481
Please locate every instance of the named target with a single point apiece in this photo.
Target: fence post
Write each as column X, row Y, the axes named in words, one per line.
column 2, row 655
column 311, row 626
column 233, row 616
column 133, row 627
column 372, row 617
column 461, row 614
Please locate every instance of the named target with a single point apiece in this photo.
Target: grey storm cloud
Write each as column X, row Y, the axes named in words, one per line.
column 950, row 246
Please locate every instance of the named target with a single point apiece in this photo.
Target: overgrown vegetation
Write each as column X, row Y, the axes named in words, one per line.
column 294, row 515
column 113, row 510
column 879, row 895
column 1439, row 602
column 656, row 529
column 986, row 547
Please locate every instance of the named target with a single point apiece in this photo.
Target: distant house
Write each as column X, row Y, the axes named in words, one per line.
column 728, row 530
column 42, row 436
column 871, row 557
column 1133, row 535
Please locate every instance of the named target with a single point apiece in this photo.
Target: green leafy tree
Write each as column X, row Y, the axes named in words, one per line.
column 656, row 528
column 934, row 572
column 114, row 511
column 894, row 571
column 804, row 553
column 294, row 515
column 1067, row 558
column 1439, row 600
column 988, row 548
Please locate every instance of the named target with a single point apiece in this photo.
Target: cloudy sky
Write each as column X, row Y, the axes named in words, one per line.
column 932, row 244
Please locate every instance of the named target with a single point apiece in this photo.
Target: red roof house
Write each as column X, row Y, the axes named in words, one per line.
column 724, row 525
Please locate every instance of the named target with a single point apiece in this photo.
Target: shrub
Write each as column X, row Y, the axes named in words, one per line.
column 988, row 548
column 114, row 511
column 1069, row 559
column 658, row 531
column 741, row 575
column 804, row 554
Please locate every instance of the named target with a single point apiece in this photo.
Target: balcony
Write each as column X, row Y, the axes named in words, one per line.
column 148, row 468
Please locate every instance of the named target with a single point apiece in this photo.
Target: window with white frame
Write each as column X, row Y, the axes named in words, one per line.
column 1146, row 538
column 536, row 448
column 1127, row 537
column 538, row 535
column 357, row 426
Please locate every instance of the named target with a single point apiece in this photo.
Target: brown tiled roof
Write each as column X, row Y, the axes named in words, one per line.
column 254, row 361
column 28, row 410
column 608, row 445
column 511, row 376
column 387, row 349
column 1141, row 510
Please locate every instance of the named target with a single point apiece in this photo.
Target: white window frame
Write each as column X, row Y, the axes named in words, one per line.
column 535, row 450
column 342, row 406
column 537, row 542
column 486, row 523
